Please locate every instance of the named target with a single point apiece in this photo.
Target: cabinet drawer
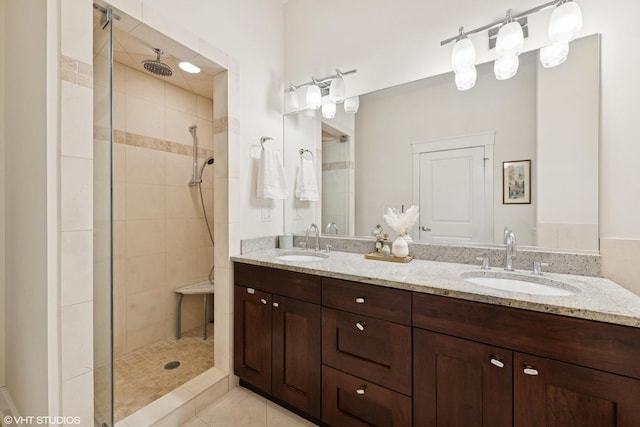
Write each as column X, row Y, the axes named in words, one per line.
column 377, row 350
column 351, row 401
column 305, row 287
column 389, row 304
column 604, row 346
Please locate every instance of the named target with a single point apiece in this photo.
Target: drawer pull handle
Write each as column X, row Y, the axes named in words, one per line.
column 361, row 390
column 497, row 362
column 251, row 291
column 276, row 305
column 263, row 301
column 530, row 370
column 361, row 325
column 360, row 300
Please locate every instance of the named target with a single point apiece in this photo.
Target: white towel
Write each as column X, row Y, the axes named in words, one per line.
column 272, row 182
column 306, row 184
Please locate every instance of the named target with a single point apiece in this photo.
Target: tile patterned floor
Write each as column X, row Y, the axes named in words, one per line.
column 243, row 408
column 140, row 377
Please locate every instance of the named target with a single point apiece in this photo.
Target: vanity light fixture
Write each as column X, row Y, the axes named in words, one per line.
column 314, row 96
column 328, row 107
column 352, row 104
column 291, row 101
column 333, row 86
column 463, row 61
column 564, row 26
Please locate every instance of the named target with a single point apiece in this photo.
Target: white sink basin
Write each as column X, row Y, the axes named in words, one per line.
column 525, row 285
column 301, row 257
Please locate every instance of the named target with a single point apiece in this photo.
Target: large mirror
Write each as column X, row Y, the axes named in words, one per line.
column 521, row 153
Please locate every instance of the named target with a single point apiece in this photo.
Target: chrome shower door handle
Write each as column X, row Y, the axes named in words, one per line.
column 423, row 228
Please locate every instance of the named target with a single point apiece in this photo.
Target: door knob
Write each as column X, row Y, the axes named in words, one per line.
column 423, row 228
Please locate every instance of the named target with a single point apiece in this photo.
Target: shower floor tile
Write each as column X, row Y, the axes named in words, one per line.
column 140, row 377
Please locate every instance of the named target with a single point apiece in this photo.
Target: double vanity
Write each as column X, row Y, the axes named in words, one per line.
column 347, row 341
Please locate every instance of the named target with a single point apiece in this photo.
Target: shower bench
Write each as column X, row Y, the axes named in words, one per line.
column 203, row 288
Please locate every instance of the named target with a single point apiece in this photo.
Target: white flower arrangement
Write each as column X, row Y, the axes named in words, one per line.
column 402, row 223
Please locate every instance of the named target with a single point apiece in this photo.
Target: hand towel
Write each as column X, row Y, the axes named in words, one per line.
column 272, row 182
column 306, row 184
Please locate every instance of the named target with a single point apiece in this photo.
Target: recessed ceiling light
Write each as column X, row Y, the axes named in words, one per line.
column 189, row 67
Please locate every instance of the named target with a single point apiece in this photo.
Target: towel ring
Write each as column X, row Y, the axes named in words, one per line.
column 264, row 139
column 303, row 150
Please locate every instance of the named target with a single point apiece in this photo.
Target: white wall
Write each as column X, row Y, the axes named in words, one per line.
column 392, row 42
column 26, row 203
column 252, row 32
column 2, row 109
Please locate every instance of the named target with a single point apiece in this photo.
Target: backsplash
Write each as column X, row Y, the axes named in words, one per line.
column 582, row 264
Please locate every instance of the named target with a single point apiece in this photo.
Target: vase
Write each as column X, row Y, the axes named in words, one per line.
column 400, row 248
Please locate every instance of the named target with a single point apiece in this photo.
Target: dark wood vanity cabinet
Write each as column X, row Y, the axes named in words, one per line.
column 366, row 355
column 583, row 373
column 277, row 334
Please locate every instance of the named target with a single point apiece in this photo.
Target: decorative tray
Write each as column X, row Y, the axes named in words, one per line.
column 389, row 258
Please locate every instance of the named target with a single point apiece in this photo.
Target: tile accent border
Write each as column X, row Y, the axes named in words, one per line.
column 76, row 72
column 338, row 165
column 134, row 139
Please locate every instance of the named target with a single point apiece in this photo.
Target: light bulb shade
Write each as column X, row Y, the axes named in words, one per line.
column 314, row 97
column 466, row 78
column 291, row 102
column 463, row 55
column 352, row 104
column 328, row 108
column 336, row 90
column 507, row 67
column 510, row 41
column 553, row 55
column 565, row 22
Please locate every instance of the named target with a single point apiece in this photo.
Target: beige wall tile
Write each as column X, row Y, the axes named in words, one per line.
column 119, row 162
column 147, row 335
column 140, row 85
column 181, row 99
column 119, row 345
column 120, row 318
column 179, row 169
column 119, row 78
column 144, row 117
column 145, row 201
column 145, row 308
column 119, row 111
column 76, row 267
column 145, row 273
column 547, row 235
column 205, row 108
column 119, row 276
column 76, row 124
column 183, row 202
column 119, row 239
column 221, row 151
column 177, row 127
column 620, row 262
column 145, row 237
column 145, row 166
column 119, row 201
column 578, row 236
column 76, row 193
column 184, row 234
column 224, row 341
column 76, row 31
column 76, row 339
column 205, row 132
column 187, row 267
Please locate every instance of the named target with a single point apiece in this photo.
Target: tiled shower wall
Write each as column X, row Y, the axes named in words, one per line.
column 160, row 236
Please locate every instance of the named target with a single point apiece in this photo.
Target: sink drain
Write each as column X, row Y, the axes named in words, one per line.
column 172, row 365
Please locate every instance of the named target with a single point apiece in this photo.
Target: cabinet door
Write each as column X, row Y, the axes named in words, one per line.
column 556, row 394
column 252, row 337
column 460, row 383
column 296, row 354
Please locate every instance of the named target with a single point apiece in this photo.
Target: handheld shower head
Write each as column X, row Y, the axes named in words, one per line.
column 208, row 161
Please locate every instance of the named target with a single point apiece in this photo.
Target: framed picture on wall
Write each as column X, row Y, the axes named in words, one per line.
column 516, row 182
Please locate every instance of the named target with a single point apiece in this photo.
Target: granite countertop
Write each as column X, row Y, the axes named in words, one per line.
column 595, row 298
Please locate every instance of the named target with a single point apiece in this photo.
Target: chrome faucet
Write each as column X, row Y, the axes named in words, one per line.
column 315, row 228
column 331, row 225
column 510, row 241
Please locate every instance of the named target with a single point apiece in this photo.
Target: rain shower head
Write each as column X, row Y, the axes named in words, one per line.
column 157, row 67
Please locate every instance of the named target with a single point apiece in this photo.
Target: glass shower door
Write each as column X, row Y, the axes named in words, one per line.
column 102, row 218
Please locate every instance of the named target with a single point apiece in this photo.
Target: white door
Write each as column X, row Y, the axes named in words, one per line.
column 452, row 196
